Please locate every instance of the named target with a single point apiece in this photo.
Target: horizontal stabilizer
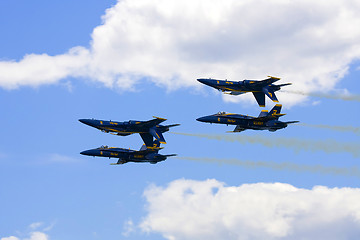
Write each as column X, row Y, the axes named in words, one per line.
column 170, row 155
column 279, row 114
column 285, row 84
column 172, row 125
column 290, row 122
column 153, row 148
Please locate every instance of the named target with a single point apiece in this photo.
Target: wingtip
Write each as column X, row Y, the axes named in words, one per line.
column 159, row 118
column 261, row 105
column 274, row 77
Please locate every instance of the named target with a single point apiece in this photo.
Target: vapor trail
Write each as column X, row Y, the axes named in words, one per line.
column 351, row 171
column 296, row 144
column 352, row 129
column 351, row 97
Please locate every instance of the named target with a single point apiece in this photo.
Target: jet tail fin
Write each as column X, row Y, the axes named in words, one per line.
column 263, row 113
column 260, row 98
column 155, row 147
column 275, row 111
column 270, row 93
column 156, row 133
column 143, row 147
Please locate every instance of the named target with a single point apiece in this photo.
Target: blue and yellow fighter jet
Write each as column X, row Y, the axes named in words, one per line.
column 258, row 88
column 265, row 121
column 145, row 154
column 146, row 129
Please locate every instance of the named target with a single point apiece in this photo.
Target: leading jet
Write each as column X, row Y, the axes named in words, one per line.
column 146, row 129
column 145, row 154
column 265, row 121
column 258, row 88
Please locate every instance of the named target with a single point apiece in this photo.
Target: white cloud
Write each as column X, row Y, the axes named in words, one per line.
column 33, row 236
column 38, row 236
column 188, row 209
column 171, row 43
column 35, row 225
column 128, row 228
column 10, row 238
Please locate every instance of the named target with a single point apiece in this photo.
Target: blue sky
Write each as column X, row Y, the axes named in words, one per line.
column 127, row 69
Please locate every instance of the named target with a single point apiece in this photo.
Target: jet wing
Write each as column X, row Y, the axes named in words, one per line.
column 234, row 93
column 265, row 82
column 238, row 128
column 152, row 122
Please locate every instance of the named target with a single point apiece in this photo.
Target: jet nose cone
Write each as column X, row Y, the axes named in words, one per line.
column 202, row 80
column 202, row 119
column 87, row 152
column 89, row 122
column 85, row 121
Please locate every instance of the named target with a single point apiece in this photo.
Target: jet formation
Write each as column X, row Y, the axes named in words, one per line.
column 145, row 154
column 148, row 130
column 258, row 88
column 151, row 131
column 265, row 121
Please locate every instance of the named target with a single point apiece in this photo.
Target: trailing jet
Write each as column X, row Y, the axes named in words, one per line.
column 145, row 154
column 146, row 129
column 258, row 88
column 265, row 121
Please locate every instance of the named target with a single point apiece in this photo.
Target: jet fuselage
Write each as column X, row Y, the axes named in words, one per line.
column 123, row 128
column 241, row 86
column 243, row 121
column 126, row 155
column 259, row 88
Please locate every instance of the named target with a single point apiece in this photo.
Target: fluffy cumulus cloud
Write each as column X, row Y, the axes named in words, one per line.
column 171, row 43
column 188, row 209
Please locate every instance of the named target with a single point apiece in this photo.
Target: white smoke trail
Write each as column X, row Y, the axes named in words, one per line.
column 336, row 96
column 351, row 129
column 351, row 171
column 296, row 144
